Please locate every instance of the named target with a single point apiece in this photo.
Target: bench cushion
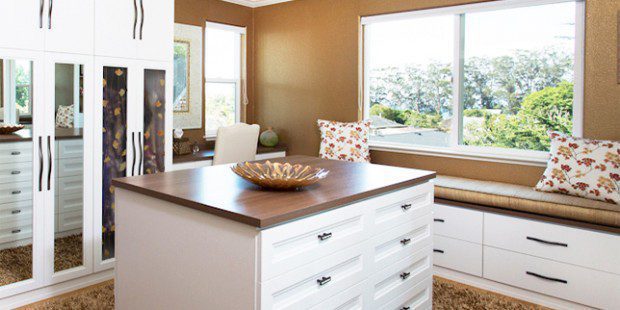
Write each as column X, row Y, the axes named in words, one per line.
column 525, row 199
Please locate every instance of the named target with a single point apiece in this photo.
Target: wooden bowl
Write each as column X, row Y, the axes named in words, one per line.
column 279, row 176
column 6, row 129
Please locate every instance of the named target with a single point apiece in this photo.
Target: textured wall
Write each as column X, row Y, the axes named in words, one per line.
column 306, row 67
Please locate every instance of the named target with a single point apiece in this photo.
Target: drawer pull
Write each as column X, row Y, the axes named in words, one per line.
column 406, row 207
column 16, row 211
column 405, row 241
column 16, row 172
column 438, row 251
column 16, row 192
column 547, row 242
column 405, row 275
column 545, row 278
column 16, row 231
column 324, row 236
column 324, row 280
column 439, row 220
column 16, row 153
column 405, row 308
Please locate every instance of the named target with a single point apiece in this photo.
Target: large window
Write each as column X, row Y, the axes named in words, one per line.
column 488, row 78
column 223, row 71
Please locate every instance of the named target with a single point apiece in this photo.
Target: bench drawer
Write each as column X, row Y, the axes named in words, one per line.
column 351, row 299
column 400, row 242
column 402, row 206
column 292, row 245
column 458, row 255
column 417, row 297
column 313, row 283
column 586, row 286
column 581, row 247
column 458, row 223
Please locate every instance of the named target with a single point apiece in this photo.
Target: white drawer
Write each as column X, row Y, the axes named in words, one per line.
column 581, row 247
column 69, row 221
column 586, row 286
column 15, row 212
column 418, row 297
column 70, row 148
column 393, row 281
column 69, row 185
column 458, row 223
column 16, row 152
column 300, row 288
column 15, row 172
column 400, row 242
column 13, row 192
column 17, row 231
column 69, row 167
column 402, row 206
column 69, row 203
column 458, row 255
column 351, row 299
column 292, row 245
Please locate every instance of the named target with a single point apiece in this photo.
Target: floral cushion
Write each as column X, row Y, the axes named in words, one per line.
column 345, row 141
column 582, row 167
column 64, row 116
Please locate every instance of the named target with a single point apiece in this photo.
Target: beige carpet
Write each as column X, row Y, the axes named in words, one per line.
column 447, row 295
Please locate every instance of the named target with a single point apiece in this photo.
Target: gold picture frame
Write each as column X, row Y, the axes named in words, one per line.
column 186, row 106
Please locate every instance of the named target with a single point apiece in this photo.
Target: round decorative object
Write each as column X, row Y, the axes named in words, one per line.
column 268, row 138
column 177, row 133
column 6, row 129
column 279, row 176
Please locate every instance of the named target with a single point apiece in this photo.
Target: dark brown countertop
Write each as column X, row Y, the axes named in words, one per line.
column 207, row 154
column 219, row 191
column 26, row 135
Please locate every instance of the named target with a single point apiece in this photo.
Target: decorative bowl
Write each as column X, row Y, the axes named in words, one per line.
column 6, row 129
column 279, row 176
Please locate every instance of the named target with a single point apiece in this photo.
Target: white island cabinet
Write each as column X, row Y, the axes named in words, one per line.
column 206, row 239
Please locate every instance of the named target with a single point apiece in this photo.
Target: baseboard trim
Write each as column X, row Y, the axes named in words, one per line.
column 43, row 293
column 514, row 292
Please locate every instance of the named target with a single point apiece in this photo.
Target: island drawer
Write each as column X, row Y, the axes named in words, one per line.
column 458, row 223
column 352, row 298
column 393, row 281
column 17, row 152
column 15, row 172
column 402, row 206
column 13, row 192
column 400, row 242
column 292, row 245
column 458, row 255
column 418, row 297
column 315, row 282
column 590, row 249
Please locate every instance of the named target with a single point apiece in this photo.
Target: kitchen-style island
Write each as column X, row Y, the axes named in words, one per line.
column 207, row 239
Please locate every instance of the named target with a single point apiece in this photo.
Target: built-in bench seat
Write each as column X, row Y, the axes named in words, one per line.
column 525, row 199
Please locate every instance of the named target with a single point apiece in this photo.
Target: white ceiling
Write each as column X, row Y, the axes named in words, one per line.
column 256, row 3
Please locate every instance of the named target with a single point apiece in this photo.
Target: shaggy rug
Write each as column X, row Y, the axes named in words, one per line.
column 446, row 295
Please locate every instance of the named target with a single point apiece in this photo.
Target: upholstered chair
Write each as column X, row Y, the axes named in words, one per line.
column 236, row 143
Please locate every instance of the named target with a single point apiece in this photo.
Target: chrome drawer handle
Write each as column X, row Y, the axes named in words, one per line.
column 16, row 153
column 547, row 242
column 545, row 277
column 406, row 207
column 16, row 192
column 324, row 280
column 324, row 236
column 405, row 275
column 405, row 241
column 16, row 172
column 16, row 231
column 438, row 251
column 16, row 211
column 439, row 220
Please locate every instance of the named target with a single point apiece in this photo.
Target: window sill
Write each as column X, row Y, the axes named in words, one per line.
column 536, row 159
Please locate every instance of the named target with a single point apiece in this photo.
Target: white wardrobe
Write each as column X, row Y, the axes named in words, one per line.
column 91, row 81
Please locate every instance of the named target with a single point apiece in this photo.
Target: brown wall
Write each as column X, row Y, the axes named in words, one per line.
column 196, row 12
column 306, row 68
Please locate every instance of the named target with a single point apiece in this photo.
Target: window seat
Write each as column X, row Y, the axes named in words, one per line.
column 524, row 199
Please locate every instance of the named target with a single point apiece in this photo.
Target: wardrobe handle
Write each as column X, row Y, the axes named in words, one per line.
column 545, row 277
column 547, row 242
column 41, row 6
column 133, row 153
column 49, row 15
column 142, row 17
column 438, row 251
column 135, row 18
column 141, row 152
column 49, row 158
column 40, row 164
column 439, row 220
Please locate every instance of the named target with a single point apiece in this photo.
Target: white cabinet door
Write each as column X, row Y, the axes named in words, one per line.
column 21, row 24
column 69, row 26
column 116, row 23
column 155, row 29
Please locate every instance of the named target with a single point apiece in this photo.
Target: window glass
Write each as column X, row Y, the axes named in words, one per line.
column 221, row 53
column 220, row 105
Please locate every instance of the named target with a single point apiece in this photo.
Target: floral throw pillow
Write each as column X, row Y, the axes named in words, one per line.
column 345, row 141
column 64, row 116
column 582, row 167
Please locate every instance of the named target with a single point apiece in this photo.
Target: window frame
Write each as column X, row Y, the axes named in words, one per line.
column 236, row 80
column 456, row 150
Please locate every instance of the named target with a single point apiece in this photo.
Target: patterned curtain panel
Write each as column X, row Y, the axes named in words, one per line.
column 154, row 120
column 114, row 147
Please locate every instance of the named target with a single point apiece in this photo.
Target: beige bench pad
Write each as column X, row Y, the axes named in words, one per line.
column 523, row 198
